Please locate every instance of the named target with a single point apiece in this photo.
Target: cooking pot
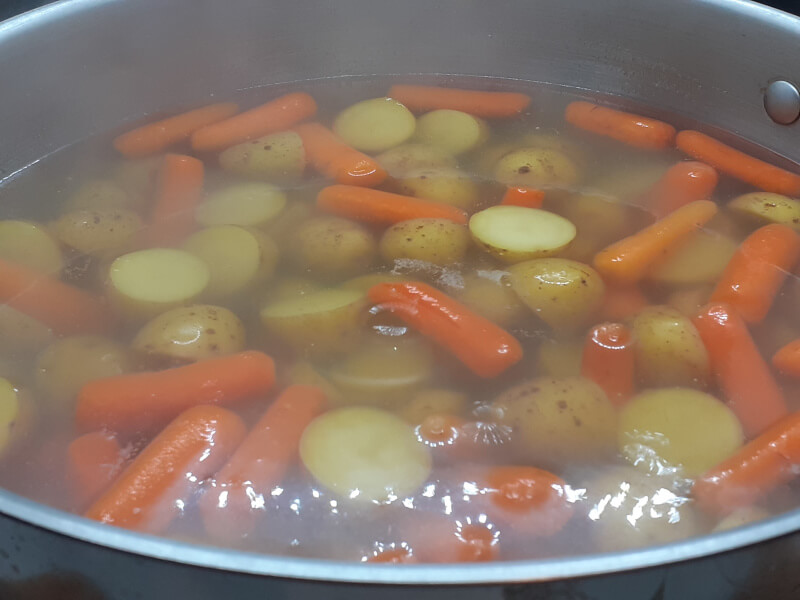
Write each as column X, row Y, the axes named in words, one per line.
column 81, row 67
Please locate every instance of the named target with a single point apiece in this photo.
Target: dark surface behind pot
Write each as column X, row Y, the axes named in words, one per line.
column 36, row 563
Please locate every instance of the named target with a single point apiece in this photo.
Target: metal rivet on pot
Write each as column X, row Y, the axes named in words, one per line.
column 782, row 102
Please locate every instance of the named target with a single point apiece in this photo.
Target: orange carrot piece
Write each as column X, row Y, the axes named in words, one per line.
column 260, row 462
column 160, row 481
column 628, row 128
column 67, row 310
column 276, row 115
column 738, row 164
column 787, row 359
column 180, row 189
column 93, row 461
column 477, row 342
column 446, row 540
column 756, row 469
column 392, row 555
column 524, row 197
column 757, row 271
column 331, row 157
column 422, row 98
column 744, row 377
column 627, row 260
column 622, row 302
column 143, row 402
column 159, row 135
column 449, row 437
column 382, row 208
column 684, row 182
column 608, row 360
column 531, row 499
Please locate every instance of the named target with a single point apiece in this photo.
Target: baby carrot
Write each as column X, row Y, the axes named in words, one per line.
column 524, row 197
column 155, row 137
column 757, row 271
column 62, row 307
column 787, row 359
column 744, row 377
column 608, row 360
column 621, row 302
column 477, row 342
column 530, row 498
column 382, row 208
column 684, row 182
column 93, row 460
column 331, row 157
column 143, row 402
column 627, row 260
column 443, row 539
column 392, row 555
column 276, row 115
column 180, row 187
column 631, row 129
column 422, row 98
column 449, row 436
column 160, row 481
column 260, row 462
column 738, row 164
column 754, row 470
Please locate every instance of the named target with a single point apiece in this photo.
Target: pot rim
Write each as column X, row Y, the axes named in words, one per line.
column 82, row 529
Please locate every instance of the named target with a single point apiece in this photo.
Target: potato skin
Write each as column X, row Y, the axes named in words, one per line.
column 556, row 421
column 492, row 298
column 563, row 293
column 446, row 186
column 669, row 351
column 536, row 167
column 332, row 248
column 407, row 158
column 437, row 241
column 277, row 157
column 191, row 333
column 105, row 232
column 765, row 207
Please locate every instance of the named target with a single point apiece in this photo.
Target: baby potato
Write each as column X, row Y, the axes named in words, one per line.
column 252, row 204
column 291, row 288
column 191, row 333
column 599, row 217
column 99, row 194
column 700, row 259
column 436, row 241
column 536, row 167
column 137, row 178
column 668, row 349
column 489, row 294
column 432, row 401
column 447, row 186
column 145, row 283
column 282, row 228
column 514, row 234
column 21, row 334
column 304, row 373
column 454, row 131
column 332, row 248
column 402, row 160
column 278, row 157
column 689, row 301
column 101, row 232
column 383, row 371
column 363, row 283
column 761, row 208
column 67, row 364
column 678, row 428
column 560, row 358
column 365, row 455
column 236, row 257
column 30, row 245
column 375, row 125
column 563, row 293
column 17, row 414
column 326, row 322
column 630, row 509
column 554, row 141
column 556, row 421
column 631, row 181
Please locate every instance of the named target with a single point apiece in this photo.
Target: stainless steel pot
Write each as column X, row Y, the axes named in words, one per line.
column 80, row 67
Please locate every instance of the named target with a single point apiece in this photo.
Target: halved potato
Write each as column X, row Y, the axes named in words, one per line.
column 147, row 282
column 678, row 428
column 433, row 401
column 364, row 454
column 700, row 259
column 514, row 233
column 765, row 207
column 375, row 125
column 30, row 245
column 332, row 248
column 452, row 130
column 251, row 204
column 448, row 186
column 276, row 157
column 326, row 322
column 408, row 158
column 536, row 167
